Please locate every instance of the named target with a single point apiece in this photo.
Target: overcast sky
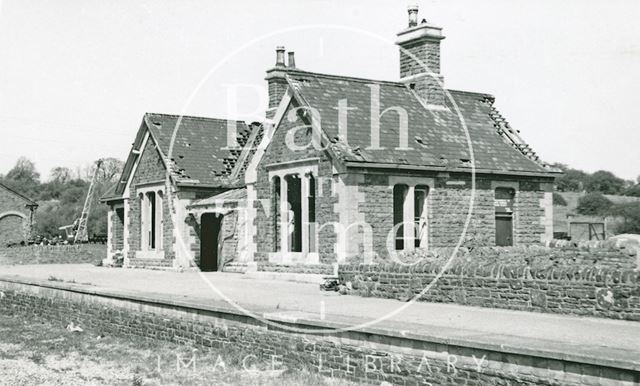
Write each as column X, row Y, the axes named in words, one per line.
column 76, row 77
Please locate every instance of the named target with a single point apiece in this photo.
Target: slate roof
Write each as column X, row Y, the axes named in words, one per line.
column 200, row 156
column 29, row 201
column 436, row 137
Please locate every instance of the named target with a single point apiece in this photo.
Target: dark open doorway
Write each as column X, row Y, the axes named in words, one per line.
column 210, row 243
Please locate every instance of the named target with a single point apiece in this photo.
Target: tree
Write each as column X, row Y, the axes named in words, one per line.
column 630, row 213
column 23, row 177
column 605, row 182
column 61, row 175
column 110, row 170
column 573, row 180
column 633, row 191
column 593, row 204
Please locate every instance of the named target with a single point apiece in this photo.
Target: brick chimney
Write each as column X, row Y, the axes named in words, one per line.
column 420, row 59
column 276, row 79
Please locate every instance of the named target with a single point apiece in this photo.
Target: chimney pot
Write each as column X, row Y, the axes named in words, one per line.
column 292, row 60
column 280, row 56
column 413, row 15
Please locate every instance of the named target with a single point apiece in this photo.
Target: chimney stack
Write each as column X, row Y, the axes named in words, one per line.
column 420, row 59
column 280, row 56
column 291, row 63
column 276, row 79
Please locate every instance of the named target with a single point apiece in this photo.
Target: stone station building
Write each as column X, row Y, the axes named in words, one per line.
column 340, row 167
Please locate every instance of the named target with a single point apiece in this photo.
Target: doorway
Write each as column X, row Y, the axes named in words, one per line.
column 210, row 241
column 504, row 231
column 504, row 200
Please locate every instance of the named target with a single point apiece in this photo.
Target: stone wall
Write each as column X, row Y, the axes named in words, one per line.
column 599, row 282
column 16, row 219
column 372, row 356
column 53, row 254
column 278, row 152
column 318, row 269
column 150, row 169
column 558, row 253
column 448, row 207
column 449, row 210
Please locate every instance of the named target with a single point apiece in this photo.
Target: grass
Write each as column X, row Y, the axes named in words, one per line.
column 37, row 351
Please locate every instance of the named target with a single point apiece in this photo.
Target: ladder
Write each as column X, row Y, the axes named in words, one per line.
column 81, row 232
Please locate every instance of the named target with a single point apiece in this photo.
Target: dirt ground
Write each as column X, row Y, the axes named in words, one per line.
column 38, row 352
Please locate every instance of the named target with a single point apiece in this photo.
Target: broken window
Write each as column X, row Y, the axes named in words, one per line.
column 294, row 218
column 410, row 216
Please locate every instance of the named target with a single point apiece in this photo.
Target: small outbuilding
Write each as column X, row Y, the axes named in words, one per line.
column 17, row 217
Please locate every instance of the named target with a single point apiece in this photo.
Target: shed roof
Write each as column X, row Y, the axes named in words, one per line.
column 29, row 201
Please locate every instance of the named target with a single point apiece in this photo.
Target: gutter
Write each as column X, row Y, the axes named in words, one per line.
column 389, row 166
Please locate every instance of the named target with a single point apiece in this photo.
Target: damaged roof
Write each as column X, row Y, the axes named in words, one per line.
column 436, row 137
column 200, row 155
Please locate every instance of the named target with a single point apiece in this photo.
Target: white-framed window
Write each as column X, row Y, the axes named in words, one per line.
column 151, row 218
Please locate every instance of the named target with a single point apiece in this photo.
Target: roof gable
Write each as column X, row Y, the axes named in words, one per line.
column 199, row 155
column 21, row 196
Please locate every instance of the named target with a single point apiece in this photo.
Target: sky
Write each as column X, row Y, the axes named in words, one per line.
column 76, row 77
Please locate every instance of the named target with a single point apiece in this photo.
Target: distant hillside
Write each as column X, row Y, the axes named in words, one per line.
column 560, row 212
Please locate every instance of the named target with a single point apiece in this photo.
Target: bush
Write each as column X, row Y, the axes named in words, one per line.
column 605, row 182
column 594, row 204
column 558, row 199
column 630, row 213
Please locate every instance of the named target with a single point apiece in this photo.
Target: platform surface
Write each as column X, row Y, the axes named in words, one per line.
column 548, row 335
